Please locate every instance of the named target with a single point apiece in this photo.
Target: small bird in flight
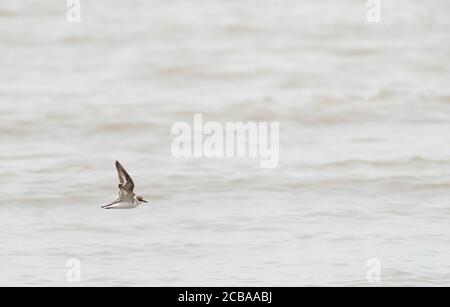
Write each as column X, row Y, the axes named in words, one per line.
column 127, row 199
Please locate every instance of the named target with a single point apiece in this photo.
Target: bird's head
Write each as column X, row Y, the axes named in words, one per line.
column 141, row 199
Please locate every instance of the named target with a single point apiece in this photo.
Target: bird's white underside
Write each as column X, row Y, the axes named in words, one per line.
column 124, row 205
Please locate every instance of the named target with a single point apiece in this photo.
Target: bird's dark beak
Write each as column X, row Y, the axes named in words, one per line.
column 145, row 201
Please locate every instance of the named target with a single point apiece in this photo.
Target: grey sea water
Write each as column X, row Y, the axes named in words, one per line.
column 364, row 112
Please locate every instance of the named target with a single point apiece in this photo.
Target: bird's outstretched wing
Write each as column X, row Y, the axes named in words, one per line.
column 126, row 183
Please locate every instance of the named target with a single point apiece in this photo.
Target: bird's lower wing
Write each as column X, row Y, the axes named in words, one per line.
column 111, row 204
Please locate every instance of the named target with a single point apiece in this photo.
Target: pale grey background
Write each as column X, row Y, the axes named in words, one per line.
column 365, row 142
